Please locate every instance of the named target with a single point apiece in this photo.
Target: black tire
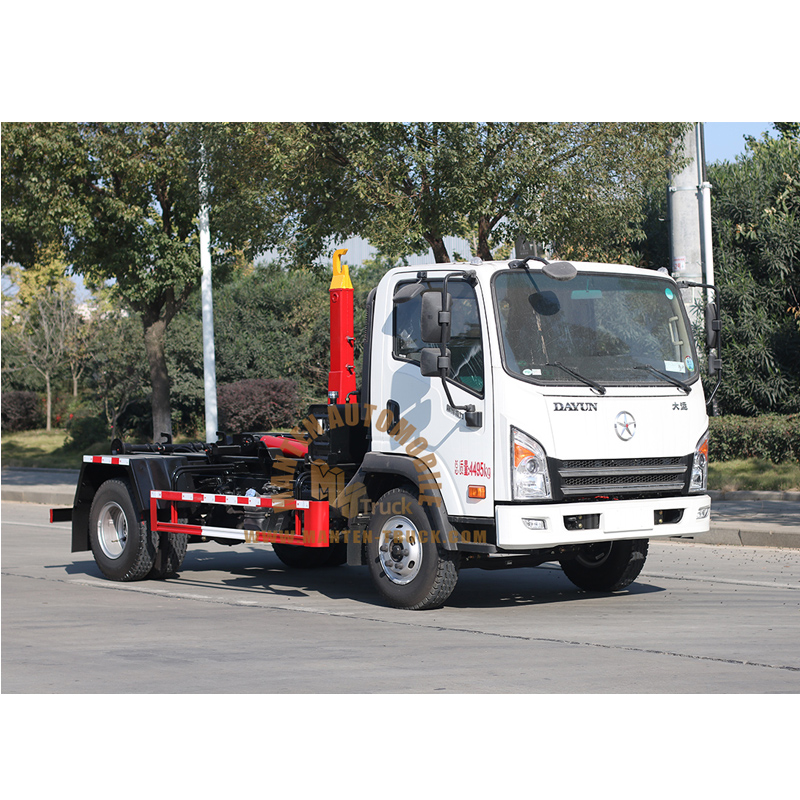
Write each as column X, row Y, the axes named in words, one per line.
column 298, row 557
column 172, row 549
column 407, row 565
column 607, row 566
column 121, row 542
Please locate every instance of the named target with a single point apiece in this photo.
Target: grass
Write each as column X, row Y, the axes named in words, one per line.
column 753, row 474
column 43, row 449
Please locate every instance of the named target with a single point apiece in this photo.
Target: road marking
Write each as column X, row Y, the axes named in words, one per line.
column 64, row 526
column 709, row 579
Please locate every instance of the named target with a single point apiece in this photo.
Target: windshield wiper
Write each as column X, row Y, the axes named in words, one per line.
column 674, row 381
column 578, row 376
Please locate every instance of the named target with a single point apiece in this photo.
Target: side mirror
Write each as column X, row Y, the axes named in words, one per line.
column 432, row 362
column 435, row 320
column 713, row 326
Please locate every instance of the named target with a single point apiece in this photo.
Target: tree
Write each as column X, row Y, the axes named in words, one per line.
column 756, row 225
column 42, row 336
column 25, row 291
column 405, row 186
column 117, row 371
column 272, row 322
column 788, row 130
column 123, row 201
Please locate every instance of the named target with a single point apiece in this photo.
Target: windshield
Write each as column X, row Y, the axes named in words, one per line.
column 608, row 329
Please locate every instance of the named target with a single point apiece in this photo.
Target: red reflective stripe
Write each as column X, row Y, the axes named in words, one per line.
column 311, row 527
column 106, row 460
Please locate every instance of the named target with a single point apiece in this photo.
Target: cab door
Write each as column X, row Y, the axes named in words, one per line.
column 428, row 425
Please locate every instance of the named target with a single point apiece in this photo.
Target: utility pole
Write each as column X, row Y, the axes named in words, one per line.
column 690, row 219
column 209, row 358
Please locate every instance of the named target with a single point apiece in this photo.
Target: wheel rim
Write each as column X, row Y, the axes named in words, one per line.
column 400, row 550
column 112, row 530
column 595, row 555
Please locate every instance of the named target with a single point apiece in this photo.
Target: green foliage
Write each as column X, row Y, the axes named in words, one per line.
column 405, row 186
column 40, row 335
column 788, row 130
column 269, row 322
column 122, row 199
column 184, row 353
column 273, row 323
column 756, row 217
column 85, row 431
column 770, row 437
column 117, row 373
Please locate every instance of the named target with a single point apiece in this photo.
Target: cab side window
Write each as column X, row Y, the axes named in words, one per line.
column 466, row 344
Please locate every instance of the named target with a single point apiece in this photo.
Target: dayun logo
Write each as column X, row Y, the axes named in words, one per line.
column 625, row 426
column 574, row 406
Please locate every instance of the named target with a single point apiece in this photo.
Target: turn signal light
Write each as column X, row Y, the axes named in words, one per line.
column 477, row 492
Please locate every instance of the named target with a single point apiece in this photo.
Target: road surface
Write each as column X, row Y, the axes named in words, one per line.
column 700, row 619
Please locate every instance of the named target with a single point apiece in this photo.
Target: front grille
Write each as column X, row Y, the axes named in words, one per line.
column 628, row 476
column 624, row 463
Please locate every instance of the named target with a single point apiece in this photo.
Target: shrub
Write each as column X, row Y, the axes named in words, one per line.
column 135, row 423
column 22, row 411
column 257, row 404
column 82, row 432
column 771, row 437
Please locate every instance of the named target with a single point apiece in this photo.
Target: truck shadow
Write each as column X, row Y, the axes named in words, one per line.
column 540, row 585
column 259, row 571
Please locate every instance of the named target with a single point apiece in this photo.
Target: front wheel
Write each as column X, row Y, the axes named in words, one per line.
column 121, row 543
column 606, row 566
column 406, row 563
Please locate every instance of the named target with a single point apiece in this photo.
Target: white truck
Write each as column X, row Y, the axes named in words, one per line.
column 509, row 414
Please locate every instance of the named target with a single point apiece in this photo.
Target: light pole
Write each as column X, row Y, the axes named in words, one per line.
column 209, row 359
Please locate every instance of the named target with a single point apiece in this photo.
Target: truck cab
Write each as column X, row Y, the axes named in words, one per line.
column 557, row 408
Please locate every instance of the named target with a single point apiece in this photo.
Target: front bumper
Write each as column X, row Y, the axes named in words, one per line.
column 553, row 524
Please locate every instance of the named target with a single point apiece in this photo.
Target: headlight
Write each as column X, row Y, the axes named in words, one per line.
column 530, row 479
column 699, row 479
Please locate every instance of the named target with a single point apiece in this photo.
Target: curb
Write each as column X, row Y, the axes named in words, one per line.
column 55, row 488
column 46, row 497
column 734, row 535
column 748, row 538
column 732, row 497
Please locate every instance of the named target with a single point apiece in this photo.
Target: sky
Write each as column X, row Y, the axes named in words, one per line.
column 725, row 140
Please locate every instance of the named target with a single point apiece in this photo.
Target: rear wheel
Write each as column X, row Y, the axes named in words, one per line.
column 171, row 552
column 606, row 566
column 407, row 565
column 121, row 543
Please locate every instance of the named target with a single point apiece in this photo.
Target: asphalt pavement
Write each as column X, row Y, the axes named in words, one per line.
column 754, row 519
